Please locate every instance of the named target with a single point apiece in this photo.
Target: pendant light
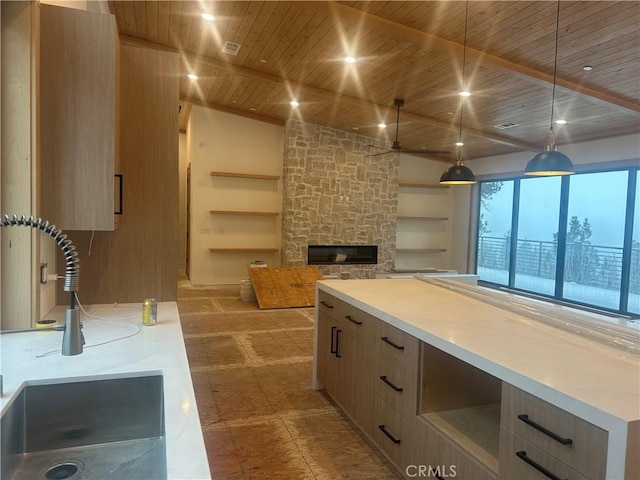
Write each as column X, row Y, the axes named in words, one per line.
column 458, row 174
column 551, row 162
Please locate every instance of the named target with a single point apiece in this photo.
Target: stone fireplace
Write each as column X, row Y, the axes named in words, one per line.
column 334, row 195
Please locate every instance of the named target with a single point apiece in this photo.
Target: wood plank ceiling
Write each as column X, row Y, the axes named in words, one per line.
column 411, row 50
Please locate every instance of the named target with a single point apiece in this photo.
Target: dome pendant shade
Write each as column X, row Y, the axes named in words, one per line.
column 550, row 163
column 458, row 175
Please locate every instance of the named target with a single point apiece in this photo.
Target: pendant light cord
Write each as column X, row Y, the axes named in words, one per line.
column 464, row 63
column 555, row 64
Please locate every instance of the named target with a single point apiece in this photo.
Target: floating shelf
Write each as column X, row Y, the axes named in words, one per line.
column 421, row 185
column 243, row 250
column 245, row 175
column 420, row 217
column 420, row 250
column 236, row 212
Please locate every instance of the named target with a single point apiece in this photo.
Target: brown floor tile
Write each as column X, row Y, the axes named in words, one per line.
column 244, row 401
column 213, row 350
column 232, row 304
column 251, row 372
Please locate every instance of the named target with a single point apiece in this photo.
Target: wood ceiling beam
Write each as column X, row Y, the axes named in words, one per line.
column 317, row 92
column 428, row 41
column 254, row 116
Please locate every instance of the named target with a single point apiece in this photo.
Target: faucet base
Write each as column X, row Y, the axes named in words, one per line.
column 72, row 339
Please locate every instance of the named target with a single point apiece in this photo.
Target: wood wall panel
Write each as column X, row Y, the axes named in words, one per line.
column 140, row 259
column 18, row 173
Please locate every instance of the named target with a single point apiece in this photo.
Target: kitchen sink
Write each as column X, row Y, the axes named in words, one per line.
column 97, row 429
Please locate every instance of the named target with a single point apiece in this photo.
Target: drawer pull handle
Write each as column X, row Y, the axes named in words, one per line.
column 522, row 455
column 525, row 418
column 391, row 437
column 351, row 319
column 326, row 304
column 338, row 332
column 333, row 345
column 384, row 379
column 394, row 345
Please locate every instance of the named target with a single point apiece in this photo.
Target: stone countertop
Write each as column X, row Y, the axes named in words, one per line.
column 35, row 358
column 589, row 379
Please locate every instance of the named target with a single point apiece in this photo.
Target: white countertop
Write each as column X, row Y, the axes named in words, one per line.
column 158, row 349
column 589, row 379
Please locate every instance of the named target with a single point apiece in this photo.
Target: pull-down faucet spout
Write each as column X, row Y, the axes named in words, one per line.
column 72, row 339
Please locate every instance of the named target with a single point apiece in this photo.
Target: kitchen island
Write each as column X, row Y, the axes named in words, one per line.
column 450, row 380
column 118, row 345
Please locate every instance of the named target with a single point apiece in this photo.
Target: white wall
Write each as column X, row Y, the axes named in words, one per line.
column 218, row 141
column 585, row 155
column 183, row 159
column 431, row 202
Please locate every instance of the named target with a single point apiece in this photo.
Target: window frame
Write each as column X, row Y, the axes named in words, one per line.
column 633, row 172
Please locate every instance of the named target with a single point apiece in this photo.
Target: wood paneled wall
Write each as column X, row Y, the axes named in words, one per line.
column 139, row 259
column 18, row 171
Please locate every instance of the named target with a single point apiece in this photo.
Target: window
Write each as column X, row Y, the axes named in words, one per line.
column 574, row 238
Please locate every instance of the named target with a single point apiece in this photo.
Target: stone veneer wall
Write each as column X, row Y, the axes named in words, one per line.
column 333, row 194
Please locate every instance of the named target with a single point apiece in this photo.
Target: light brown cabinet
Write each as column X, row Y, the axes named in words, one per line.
column 534, row 432
column 345, row 358
column 79, row 111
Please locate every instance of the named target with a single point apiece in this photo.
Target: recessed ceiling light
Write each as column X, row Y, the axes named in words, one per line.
column 350, row 59
column 382, row 125
column 208, row 17
column 192, row 76
column 294, row 103
column 262, row 60
column 561, row 122
column 355, row 128
column 253, row 109
column 587, row 68
column 459, row 144
column 464, row 93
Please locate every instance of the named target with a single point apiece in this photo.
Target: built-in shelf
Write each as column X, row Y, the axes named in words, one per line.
column 245, row 175
column 236, row 212
column 421, row 185
column 420, row 217
column 475, row 429
column 243, row 250
column 420, row 250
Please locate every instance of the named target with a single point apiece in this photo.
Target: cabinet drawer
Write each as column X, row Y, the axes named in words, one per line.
column 329, row 305
column 522, row 460
column 577, row 443
column 361, row 323
column 393, row 434
column 397, row 384
column 398, row 344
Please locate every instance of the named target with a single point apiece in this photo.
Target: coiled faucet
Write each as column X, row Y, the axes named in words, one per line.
column 72, row 339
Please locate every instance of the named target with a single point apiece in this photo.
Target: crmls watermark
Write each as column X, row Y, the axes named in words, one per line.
column 431, row 471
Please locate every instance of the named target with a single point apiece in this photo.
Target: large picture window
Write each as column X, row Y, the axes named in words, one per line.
column 573, row 238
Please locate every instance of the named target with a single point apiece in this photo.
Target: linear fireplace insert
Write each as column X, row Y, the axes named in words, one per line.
column 342, row 254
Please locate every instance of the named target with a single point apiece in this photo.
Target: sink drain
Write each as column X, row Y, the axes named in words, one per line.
column 62, row 471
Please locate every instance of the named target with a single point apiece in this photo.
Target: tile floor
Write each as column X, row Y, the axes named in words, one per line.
column 260, row 418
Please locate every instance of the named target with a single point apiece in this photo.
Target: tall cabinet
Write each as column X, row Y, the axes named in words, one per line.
column 79, row 107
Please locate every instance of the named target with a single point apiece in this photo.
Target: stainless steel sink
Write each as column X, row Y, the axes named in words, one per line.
column 99, row 429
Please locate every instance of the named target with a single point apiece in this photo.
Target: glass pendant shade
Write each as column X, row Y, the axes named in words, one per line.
column 458, row 175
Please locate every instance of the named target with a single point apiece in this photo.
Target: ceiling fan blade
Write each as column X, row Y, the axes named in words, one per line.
column 430, row 152
column 382, row 153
